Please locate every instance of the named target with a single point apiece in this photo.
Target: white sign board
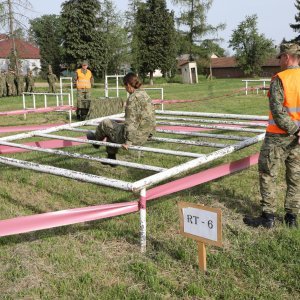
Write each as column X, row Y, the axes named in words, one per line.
column 201, row 223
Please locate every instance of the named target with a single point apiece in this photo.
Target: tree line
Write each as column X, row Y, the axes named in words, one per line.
column 147, row 37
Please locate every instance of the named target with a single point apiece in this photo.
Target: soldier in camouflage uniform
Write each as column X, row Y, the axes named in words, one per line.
column 2, row 82
column 19, row 84
column 29, row 80
column 51, row 79
column 139, row 120
column 281, row 143
column 10, row 82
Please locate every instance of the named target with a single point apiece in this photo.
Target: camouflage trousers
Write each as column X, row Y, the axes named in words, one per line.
column 83, row 103
column 113, row 131
column 276, row 150
column 83, row 98
column 52, row 88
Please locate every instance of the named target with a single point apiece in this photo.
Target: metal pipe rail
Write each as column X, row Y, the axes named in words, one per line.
column 151, row 180
column 212, row 127
column 213, row 121
column 123, row 185
column 136, row 148
column 206, row 135
column 85, row 156
column 212, row 115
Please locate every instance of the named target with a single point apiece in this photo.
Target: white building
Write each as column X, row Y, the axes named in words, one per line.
column 189, row 72
column 28, row 54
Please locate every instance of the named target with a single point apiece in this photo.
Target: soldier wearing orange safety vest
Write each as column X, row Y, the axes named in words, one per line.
column 84, row 81
column 281, row 144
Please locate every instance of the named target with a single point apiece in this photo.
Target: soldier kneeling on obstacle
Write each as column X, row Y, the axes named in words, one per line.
column 139, row 122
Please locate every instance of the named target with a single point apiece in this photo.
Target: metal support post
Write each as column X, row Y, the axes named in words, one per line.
column 142, row 207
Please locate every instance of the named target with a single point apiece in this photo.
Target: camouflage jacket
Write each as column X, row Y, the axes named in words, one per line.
column 139, row 118
column 51, row 78
column 279, row 113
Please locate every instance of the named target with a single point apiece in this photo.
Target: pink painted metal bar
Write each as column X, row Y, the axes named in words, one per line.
column 37, row 110
column 64, row 217
column 27, row 128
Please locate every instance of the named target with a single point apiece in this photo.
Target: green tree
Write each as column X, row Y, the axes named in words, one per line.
column 82, row 33
column 194, row 19
column 155, row 34
column 115, row 36
column 46, row 32
column 296, row 26
column 252, row 49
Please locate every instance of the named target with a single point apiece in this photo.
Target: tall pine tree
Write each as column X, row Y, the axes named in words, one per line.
column 296, row 26
column 193, row 20
column 82, row 35
column 155, row 38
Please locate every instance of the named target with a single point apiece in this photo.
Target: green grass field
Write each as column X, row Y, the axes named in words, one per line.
column 102, row 259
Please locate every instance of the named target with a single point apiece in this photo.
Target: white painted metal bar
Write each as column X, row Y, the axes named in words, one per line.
column 136, row 148
column 192, row 143
column 85, row 156
column 143, row 223
column 123, row 185
column 212, row 121
column 207, row 135
column 255, row 80
column 212, row 127
column 55, row 128
column 212, row 115
column 45, row 101
column 34, row 102
column 24, row 105
column 151, row 180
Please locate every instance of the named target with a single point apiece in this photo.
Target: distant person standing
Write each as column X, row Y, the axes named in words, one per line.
column 51, row 79
column 281, row 144
column 19, row 83
column 2, row 83
column 84, row 81
column 29, row 80
column 10, row 82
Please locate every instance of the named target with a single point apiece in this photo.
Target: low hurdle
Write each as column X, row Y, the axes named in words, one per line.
column 256, row 80
column 46, row 108
column 194, row 159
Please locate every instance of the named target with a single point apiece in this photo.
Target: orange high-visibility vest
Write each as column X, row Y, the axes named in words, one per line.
column 83, row 80
column 290, row 79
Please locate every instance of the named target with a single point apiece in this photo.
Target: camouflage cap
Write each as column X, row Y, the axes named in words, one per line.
column 289, row 48
column 85, row 62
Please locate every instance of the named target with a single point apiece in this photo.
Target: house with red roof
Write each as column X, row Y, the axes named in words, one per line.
column 28, row 54
column 226, row 67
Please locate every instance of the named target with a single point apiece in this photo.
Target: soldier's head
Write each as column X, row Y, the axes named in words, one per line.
column 131, row 82
column 84, row 64
column 289, row 55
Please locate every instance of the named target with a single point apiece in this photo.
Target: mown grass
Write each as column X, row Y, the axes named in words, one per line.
column 101, row 259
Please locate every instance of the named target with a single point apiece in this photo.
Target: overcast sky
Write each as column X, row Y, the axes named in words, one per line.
column 274, row 16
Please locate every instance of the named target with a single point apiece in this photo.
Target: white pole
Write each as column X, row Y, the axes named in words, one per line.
column 143, row 231
column 45, row 100
column 117, row 80
column 106, row 86
column 61, row 88
column 264, row 87
column 70, row 111
column 57, row 100
column 24, row 105
column 162, row 99
column 34, row 104
column 72, row 96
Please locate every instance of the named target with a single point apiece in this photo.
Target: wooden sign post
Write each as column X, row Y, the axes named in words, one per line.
column 203, row 224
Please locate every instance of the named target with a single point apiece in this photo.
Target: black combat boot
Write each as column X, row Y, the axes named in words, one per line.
column 290, row 220
column 110, row 156
column 266, row 220
column 92, row 137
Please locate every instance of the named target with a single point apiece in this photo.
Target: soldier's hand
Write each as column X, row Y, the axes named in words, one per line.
column 125, row 146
